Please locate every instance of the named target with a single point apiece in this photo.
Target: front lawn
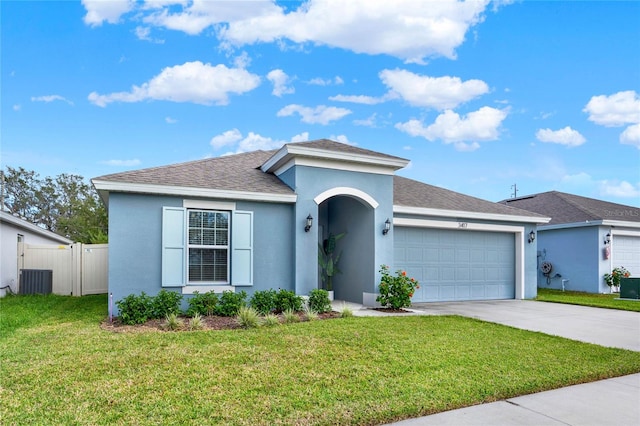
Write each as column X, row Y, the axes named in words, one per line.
column 610, row 301
column 60, row 367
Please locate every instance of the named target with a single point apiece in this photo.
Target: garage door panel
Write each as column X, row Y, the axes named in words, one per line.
column 626, row 252
column 456, row 264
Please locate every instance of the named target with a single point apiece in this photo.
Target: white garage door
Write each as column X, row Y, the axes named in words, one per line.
column 626, row 252
column 457, row 265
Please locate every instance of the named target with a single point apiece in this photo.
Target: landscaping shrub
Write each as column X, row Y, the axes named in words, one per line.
column 203, row 304
column 248, row 317
column 270, row 320
column 230, row 303
column 166, row 303
column 135, row 309
column 196, row 322
column 264, row 301
column 396, row 292
column 319, row 301
column 173, row 322
column 286, row 299
column 290, row 316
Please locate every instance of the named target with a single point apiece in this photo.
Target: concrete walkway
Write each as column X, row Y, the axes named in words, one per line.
column 606, row 402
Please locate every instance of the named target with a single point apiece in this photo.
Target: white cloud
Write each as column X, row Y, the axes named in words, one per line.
column 342, row 139
column 144, row 33
column 621, row 189
column 197, row 15
column 616, row 110
column 566, row 136
column 302, row 137
column 191, row 82
column 358, row 99
column 227, row 138
column 407, row 29
column 631, row 136
column 281, row 83
column 242, row 61
column 122, row 163
column 367, row 122
column 170, row 120
column 50, row 98
column 17, row 107
column 99, row 11
column 326, row 82
column 252, row 142
column 481, row 125
column 321, row 114
column 432, row 92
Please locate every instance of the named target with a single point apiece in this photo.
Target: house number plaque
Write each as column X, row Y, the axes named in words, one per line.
column 462, row 224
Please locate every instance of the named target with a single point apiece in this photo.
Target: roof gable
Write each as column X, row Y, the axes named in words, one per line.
column 329, row 154
column 568, row 208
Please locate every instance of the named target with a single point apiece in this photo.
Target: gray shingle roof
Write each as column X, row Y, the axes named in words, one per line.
column 329, row 145
column 568, row 208
column 240, row 172
column 412, row 193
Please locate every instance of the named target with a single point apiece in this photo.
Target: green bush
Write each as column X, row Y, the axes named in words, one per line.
column 396, row 292
column 264, row 301
column 202, row 304
column 287, row 300
column 166, row 303
column 230, row 303
column 135, row 309
column 319, row 301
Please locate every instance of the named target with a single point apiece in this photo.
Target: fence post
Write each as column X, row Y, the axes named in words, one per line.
column 76, row 257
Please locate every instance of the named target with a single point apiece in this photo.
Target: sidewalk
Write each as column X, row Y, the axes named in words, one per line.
column 613, row 402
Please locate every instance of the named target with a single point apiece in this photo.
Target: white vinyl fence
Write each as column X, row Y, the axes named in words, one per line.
column 78, row 269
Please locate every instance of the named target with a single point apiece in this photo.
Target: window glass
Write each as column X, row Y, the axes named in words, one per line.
column 208, row 246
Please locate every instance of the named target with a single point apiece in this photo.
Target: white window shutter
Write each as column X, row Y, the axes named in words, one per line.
column 242, row 248
column 174, row 241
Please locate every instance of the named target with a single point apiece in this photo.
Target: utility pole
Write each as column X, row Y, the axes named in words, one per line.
column 514, row 194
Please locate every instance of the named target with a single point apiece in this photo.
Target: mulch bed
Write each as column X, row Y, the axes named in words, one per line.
column 392, row 311
column 208, row 323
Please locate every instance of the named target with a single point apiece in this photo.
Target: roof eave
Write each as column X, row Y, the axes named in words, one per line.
column 23, row 224
column 104, row 187
column 459, row 214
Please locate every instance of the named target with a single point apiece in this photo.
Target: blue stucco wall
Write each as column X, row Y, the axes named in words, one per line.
column 135, row 241
column 311, row 182
column 576, row 254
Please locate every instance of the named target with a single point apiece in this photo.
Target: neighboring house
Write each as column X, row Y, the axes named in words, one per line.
column 585, row 239
column 14, row 233
column 239, row 222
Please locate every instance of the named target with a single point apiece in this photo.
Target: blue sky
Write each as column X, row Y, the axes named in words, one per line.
column 478, row 95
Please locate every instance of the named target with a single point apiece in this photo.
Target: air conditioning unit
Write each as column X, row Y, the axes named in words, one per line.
column 36, row 281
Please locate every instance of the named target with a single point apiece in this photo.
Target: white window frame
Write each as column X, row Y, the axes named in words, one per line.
column 226, row 247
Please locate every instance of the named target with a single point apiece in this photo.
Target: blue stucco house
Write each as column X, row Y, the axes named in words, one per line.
column 585, row 239
column 241, row 222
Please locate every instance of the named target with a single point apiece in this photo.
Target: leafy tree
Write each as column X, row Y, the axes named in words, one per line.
column 66, row 204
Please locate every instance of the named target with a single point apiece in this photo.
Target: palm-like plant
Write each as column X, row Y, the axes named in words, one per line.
column 326, row 260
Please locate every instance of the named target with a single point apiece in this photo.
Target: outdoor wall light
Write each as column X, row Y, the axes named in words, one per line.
column 607, row 238
column 387, row 227
column 532, row 237
column 309, row 223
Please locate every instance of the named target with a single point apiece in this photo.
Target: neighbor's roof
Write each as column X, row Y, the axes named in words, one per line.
column 414, row 194
column 568, row 208
column 20, row 223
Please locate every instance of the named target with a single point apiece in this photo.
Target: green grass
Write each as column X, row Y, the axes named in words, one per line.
column 60, row 367
column 587, row 299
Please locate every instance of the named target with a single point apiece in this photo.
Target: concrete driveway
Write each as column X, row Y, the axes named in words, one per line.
column 605, row 327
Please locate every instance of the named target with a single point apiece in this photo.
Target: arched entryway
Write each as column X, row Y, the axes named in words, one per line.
column 352, row 212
